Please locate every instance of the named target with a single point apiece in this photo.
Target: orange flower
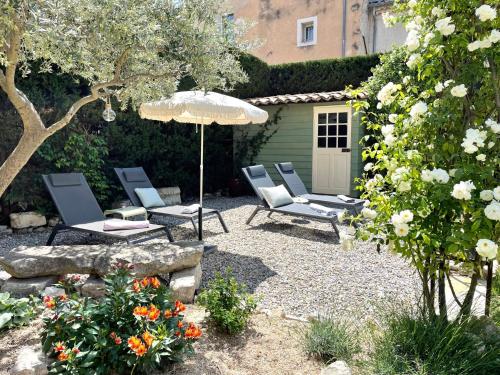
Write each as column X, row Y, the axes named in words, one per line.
column 155, row 283
column 49, row 302
column 59, row 347
column 136, row 286
column 177, row 333
column 75, row 350
column 148, row 338
column 140, row 311
column 145, row 282
column 112, row 335
column 64, row 297
column 193, row 332
column 62, row 356
column 179, row 324
column 118, row 340
column 141, row 350
column 153, row 313
column 168, row 313
column 179, row 306
column 134, row 342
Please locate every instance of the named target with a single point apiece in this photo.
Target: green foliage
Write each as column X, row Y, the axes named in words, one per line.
column 330, row 339
column 134, row 328
column 15, row 312
column 81, row 152
column 495, row 300
column 320, row 75
column 228, row 302
column 247, row 147
column 416, row 345
column 258, row 73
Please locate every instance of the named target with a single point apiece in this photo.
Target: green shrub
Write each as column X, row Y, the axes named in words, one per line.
column 495, row 300
column 133, row 329
column 320, row 75
column 329, row 339
column 15, row 312
column 229, row 303
column 413, row 344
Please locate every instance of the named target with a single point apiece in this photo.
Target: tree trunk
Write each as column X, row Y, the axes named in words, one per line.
column 28, row 144
column 443, row 313
column 469, row 298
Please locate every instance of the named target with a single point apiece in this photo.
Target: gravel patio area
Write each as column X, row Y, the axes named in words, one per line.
column 295, row 265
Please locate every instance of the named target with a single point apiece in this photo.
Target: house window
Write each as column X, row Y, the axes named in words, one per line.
column 307, row 31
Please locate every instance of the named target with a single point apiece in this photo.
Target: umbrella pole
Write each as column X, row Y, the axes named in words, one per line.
column 200, row 209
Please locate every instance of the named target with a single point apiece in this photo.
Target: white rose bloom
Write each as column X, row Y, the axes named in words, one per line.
column 368, row 167
column 492, row 211
column 487, row 248
column 469, row 147
column 445, row 26
column 396, row 219
column 401, row 230
column 387, row 130
column 386, row 93
column 406, row 79
column 481, row 157
column 406, row 216
column 474, row 45
column 448, row 82
column 474, row 138
column 486, row 195
column 440, row 175
column 437, row 12
column 452, row 172
column 491, row 144
column 412, row 3
column 368, row 213
column 342, row 215
column 459, row 91
column 414, row 60
column 393, row 117
column 404, row 186
column 412, row 41
column 494, row 36
column 493, row 125
column 486, row 13
column 389, row 140
column 439, row 87
column 426, row 175
column 428, row 37
column 496, row 193
column 418, row 109
column 463, row 190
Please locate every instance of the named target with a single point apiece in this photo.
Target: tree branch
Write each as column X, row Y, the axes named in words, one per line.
column 120, row 62
column 453, row 290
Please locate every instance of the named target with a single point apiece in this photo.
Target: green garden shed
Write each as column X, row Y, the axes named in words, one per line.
column 319, row 133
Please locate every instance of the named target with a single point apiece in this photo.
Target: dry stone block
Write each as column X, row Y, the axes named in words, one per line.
column 25, row 287
column 148, row 259
column 4, row 276
column 94, row 287
column 54, row 291
column 27, row 220
column 337, row 368
column 30, row 361
column 183, row 284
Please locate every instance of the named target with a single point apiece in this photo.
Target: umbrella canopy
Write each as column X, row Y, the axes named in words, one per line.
column 198, row 107
column 203, row 108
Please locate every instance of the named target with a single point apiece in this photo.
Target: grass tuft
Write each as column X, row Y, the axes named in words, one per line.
column 330, row 340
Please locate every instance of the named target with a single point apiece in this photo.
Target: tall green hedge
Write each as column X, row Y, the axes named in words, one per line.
column 320, row 75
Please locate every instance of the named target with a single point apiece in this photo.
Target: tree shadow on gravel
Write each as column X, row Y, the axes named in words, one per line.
column 248, row 270
column 297, row 231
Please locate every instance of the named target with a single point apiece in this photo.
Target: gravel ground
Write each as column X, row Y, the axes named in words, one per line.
column 295, row 265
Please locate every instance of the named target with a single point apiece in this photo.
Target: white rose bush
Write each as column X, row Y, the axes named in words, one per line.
column 432, row 125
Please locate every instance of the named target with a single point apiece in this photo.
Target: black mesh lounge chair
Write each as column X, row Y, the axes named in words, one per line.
column 80, row 211
column 258, row 177
column 298, row 189
column 133, row 178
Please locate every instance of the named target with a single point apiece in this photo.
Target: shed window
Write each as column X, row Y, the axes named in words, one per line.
column 332, row 130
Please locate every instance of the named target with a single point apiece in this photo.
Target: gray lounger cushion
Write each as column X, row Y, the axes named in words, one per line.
column 286, row 167
column 65, row 179
column 135, row 175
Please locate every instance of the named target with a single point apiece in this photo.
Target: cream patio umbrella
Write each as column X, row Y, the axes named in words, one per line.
column 203, row 108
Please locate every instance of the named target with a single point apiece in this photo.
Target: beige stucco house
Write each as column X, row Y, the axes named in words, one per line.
column 302, row 30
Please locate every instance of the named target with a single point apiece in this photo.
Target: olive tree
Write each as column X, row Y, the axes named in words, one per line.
column 130, row 50
column 433, row 178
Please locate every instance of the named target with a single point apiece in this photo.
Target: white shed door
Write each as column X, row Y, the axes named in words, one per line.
column 332, row 150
